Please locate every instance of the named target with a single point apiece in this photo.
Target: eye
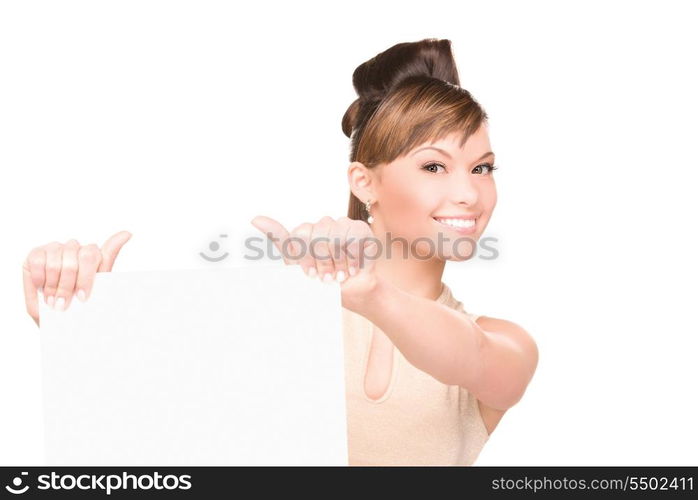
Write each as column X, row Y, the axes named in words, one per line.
column 490, row 168
column 428, row 166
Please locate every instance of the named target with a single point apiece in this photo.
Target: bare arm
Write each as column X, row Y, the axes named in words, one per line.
column 495, row 366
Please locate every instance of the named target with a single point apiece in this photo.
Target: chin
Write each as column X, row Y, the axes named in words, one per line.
column 461, row 257
column 465, row 249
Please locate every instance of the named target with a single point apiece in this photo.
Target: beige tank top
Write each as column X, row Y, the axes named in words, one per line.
column 418, row 420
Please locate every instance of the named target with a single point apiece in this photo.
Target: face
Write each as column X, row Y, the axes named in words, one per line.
column 437, row 189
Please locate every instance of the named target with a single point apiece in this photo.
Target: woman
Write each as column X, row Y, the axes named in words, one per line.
column 427, row 382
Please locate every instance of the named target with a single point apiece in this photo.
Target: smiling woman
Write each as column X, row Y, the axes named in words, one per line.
column 426, row 381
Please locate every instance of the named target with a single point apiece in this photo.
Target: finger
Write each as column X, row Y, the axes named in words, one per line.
column 368, row 253
column 111, row 249
column 89, row 259
column 278, row 234
column 69, row 273
column 354, row 246
column 36, row 265
column 320, row 249
column 302, row 235
column 54, row 261
column 338, row 236
column 31, row 298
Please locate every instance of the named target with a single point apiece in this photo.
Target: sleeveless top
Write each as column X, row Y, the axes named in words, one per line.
column 418, row 420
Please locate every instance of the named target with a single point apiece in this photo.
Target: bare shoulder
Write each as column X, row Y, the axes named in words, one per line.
column 515, row 334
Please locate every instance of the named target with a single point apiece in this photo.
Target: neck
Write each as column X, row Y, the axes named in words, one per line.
column 407, row 271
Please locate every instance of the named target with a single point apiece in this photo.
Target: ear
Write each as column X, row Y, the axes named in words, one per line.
column 362, row 180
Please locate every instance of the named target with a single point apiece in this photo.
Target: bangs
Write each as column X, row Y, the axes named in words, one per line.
column 419, row 114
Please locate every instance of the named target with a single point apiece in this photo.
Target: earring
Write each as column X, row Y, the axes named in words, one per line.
column 368, row 210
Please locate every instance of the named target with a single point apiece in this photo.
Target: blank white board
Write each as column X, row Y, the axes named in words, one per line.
column 234, row 366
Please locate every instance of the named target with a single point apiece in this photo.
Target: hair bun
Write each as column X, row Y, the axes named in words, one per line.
column 350, row 117
column 373, row 79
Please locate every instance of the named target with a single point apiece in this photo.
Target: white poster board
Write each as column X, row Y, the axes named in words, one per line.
column 234, row 366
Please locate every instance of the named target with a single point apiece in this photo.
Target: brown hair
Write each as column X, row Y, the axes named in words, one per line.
column 408, row 94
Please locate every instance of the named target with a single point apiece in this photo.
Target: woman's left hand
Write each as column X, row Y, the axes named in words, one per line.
column 343, row 250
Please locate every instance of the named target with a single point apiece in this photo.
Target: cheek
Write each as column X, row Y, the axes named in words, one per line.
column 410, row 219
column 489, row 202
column 490, row 196
column 405, row 206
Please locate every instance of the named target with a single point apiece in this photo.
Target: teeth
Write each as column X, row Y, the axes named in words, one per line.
column 458, row 222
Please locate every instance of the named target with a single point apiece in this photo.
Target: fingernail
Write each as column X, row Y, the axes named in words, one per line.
column 60, row 303
column 81, row 295
column 41, row 290
column 352, row 270
column 327, row 278
column 312, row 272
column 340, row 276
column 50, row 300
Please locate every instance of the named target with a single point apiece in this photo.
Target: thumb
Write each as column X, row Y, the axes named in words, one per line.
column 276, row 232
column 111, row 249
column 369, row 255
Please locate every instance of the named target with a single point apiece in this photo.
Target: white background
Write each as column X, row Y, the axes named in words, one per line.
column 180, row 121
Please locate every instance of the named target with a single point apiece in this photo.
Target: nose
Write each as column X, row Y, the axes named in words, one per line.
column 464, row 190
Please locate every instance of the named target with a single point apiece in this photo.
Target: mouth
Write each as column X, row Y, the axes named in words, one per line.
column 461, row 225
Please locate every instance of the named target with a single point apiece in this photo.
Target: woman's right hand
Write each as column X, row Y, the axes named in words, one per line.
column 59, row 270
column 343, row 250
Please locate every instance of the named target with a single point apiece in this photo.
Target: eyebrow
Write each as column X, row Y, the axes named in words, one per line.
column 444, row 152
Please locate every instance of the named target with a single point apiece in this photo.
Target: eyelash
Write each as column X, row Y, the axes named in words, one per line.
column 491, row 168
